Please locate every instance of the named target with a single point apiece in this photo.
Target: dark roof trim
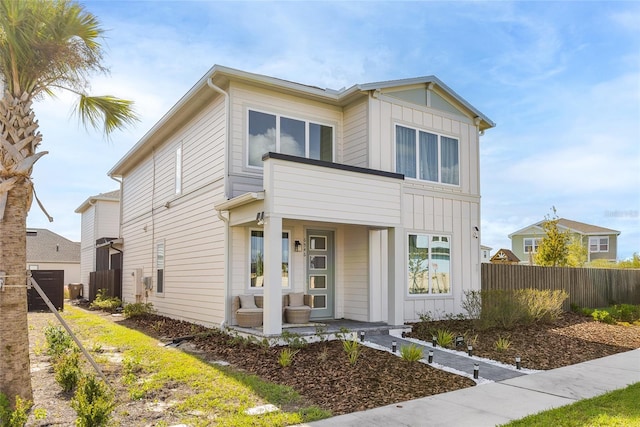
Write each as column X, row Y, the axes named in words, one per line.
column 324, row 164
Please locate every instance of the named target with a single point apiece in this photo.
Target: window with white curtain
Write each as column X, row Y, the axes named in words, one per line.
column 427, row 156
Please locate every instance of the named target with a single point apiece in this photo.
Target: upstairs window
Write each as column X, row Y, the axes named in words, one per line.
column 599, row 244
column 531, row 245
column 427, row 156
column 280, row 134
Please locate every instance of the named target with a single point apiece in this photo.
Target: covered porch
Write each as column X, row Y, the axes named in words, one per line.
column 328, row 231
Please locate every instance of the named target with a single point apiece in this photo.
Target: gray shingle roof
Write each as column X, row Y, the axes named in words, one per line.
column 46, row 246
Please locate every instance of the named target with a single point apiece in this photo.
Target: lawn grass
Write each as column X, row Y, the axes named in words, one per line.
column 613, row 409
column 217, row 392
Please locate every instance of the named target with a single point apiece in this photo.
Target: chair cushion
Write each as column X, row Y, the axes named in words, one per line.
column 299, row 308
column 247, row 301
column 296, row 299
column 249, row 310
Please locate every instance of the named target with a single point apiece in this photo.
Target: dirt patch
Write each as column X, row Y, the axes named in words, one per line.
column 320, row 372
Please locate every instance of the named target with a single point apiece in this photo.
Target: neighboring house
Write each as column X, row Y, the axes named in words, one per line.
column 366, row 198
column 485, row 252
column 47, row 250
column 505, row 256
column 601, row 243
column 100, row 230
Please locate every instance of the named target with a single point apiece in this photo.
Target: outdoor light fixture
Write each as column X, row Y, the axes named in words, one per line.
column 394, row 346
column 517, row 362
column 434, row 341
column 361, row 336
column 476, row 371
column 459, row 340
column 470, row 350
column 260, row 217
column 298, row 246
column 476, row 230
column 430, row 359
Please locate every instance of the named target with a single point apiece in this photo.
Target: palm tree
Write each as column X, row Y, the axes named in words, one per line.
column 45, row 46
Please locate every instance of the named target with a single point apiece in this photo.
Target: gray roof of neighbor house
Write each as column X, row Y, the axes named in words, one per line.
column 46, row 246
column 111, row 196
column 201, row 93
column 578, row 227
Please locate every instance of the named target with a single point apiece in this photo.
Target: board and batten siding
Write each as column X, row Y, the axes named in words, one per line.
column 385, row 112
column 301, row 191
column 187, row 223
column 244, row 97
column 355, row 273
column 432, row 213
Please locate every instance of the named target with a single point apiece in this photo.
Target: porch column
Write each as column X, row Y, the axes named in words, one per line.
column 272, row 315
column 397, row 276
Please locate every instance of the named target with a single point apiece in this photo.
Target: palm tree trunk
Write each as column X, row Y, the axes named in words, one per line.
column 15, row 373
column 19, row 138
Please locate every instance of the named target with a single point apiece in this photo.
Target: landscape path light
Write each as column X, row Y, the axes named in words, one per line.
column 470, row 350
column 476, row 371
column 517, row 362
column 430, row 359
column 394, row 346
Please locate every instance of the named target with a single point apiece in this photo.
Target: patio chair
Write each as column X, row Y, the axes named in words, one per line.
column 248, row 310
column 298, row 309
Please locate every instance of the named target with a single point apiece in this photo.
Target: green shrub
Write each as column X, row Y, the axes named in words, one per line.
column 444, row 337
column 93, row 402
column 625, row 312
column 293, row 340
column 502, row 343
column 411, row 353
column 472, row 304
column 603, row 316
column 58, row 341
column 105, row 303
column 138, row 309
column 353, row 349
column 13, row 418
column 286, row 356
column 67, row 369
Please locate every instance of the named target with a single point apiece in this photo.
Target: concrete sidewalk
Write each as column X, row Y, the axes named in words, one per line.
column 500, row 402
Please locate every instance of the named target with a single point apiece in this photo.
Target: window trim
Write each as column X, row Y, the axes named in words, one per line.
column 599, row 244
column 160, row 285
column 439, row 136
column 248, row 264
column 430, row 235
column 535, row 245
column 178, row 177
column 278, row 116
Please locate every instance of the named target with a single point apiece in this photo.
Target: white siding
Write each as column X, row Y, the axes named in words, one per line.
column 296, row 190
column 355, row 141
column 87, row 246
column 107, row 220
column 193, row 234
column 355, row 270
column 71, row 270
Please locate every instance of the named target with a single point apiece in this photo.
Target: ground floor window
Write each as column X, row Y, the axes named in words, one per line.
column 257, row 259
column 429, row 266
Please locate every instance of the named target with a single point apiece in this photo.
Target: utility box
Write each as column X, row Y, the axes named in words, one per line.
column 75, row 290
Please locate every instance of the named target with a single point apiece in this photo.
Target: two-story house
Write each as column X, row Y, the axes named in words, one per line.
column 601, row 243
column 366, row 198
column 100, row 231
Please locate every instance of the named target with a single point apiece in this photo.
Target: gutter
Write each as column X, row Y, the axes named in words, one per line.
column 225, row 218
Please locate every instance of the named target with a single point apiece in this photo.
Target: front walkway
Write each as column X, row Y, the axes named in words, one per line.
column 315, row 327
column 501, row 402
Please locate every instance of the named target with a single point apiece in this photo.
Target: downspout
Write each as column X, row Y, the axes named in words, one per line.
column 223, row 218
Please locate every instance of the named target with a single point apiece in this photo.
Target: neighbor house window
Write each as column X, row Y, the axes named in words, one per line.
column 599, row 244
column 427, row 156
column 280, row 134
column 256, row 266
column 160, row 267
column 531, row 245
column 178, row 179
column 429, row 267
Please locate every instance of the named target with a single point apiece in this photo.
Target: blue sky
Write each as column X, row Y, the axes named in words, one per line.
column 560, row 79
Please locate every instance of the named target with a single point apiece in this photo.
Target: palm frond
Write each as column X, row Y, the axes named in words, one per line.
column 107, row 111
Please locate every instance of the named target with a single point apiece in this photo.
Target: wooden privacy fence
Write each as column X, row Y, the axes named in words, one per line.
column 111, row 280
column 587, row 287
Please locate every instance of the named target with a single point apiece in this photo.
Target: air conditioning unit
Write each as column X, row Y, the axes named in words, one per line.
column 148, row 282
